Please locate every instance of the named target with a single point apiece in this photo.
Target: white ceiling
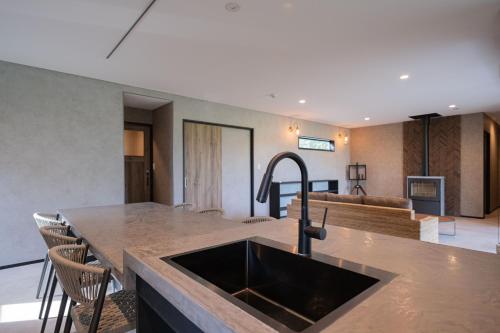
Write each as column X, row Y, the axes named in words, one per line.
column 343, row 57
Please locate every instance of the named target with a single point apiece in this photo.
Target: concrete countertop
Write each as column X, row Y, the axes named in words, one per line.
column 111, row 229
column 438, row 288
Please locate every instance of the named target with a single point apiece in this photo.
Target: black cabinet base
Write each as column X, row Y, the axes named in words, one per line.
column 157, row 315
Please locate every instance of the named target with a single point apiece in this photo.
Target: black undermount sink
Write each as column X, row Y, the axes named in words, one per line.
column 289, row 292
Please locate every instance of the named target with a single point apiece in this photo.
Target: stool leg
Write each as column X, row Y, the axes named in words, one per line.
column 60, row 316
column 51, row 272
column 42, row 276
column 69, row 320
column 49, row 304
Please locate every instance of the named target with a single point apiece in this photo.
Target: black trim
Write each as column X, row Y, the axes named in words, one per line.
column 473, row 217
column 275, row 195
column 25, row 263
column 184, row 121
column 332, row 143
column 130, row 29
column 156, row 314
column 289, row 194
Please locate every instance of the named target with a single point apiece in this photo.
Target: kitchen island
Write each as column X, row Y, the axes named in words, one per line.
column 437, row 288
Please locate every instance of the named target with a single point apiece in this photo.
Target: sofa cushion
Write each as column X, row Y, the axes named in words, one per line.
column 393, row 202
column 346, row 198
column 314, row 195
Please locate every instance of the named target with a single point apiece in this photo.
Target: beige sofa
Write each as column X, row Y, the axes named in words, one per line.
column 384, row 215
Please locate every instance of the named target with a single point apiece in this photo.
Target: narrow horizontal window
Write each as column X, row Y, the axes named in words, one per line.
column 307, row 142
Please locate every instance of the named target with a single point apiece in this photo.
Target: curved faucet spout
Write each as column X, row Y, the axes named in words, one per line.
column 265, row 185
column 305, row 229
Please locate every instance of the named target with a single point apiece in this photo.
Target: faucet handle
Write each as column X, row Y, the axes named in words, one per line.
column 315, row 232
column 324, row 218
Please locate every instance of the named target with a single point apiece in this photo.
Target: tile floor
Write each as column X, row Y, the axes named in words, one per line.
column 19, row 308
column 474, row 234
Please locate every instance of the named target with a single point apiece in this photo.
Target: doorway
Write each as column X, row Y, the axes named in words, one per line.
column 218, row 167
column 148, row 149
column 486, row 173
column 137, row 153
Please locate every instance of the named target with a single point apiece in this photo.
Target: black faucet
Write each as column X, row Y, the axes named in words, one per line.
column 306, row 231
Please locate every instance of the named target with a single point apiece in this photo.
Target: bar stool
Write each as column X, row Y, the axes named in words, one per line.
column 211, row 211
column 53, row 235
column 257, row 219
column 44, row 219
column 86, row 285
column 184, row 205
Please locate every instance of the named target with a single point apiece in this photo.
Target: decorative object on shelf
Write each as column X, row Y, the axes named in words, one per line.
column 357, row 172
column 282, row 193
column 311, row 143
column 294, row 127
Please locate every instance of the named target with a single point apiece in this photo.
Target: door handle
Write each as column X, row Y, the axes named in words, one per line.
column 185, row 182
column 148, row 176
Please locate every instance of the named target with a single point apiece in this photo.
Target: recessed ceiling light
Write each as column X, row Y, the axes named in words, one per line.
column 302, row 101
column 404, row 77
column 453, row 107
column 367, row 118
column 232, row 7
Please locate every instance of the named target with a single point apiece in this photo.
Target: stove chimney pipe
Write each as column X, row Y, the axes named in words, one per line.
column 426, row 121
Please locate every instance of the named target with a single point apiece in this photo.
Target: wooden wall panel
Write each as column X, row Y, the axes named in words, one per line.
column 163, row 184
column 444, row 155
column 444, row 160
column 202, row 165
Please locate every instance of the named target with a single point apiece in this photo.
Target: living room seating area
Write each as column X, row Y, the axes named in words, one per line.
column 386, row 215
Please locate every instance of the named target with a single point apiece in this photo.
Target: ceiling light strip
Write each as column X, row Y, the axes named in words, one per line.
column 130, row 29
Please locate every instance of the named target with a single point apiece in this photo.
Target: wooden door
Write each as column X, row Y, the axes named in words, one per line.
column 202, row 165
column 137, row 151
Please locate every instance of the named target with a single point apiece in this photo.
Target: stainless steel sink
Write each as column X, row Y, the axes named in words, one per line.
column 289, row 292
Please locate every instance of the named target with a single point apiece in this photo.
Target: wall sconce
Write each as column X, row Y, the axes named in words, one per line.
column 294, row 128
column 346, row 137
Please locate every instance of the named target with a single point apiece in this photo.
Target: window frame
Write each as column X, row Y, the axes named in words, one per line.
column 311, row 138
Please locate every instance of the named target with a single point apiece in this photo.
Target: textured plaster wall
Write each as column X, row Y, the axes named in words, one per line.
column 381, row 149
column 61, row 139
column 271, row 137
column 62, row 147
column 235, row 170
column 140, row 116
column 471, row 165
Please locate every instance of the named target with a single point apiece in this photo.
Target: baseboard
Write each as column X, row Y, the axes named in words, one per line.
column 473, row 217
column 25, row 263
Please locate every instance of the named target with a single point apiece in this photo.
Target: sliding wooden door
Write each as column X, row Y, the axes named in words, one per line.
column 202, row 165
